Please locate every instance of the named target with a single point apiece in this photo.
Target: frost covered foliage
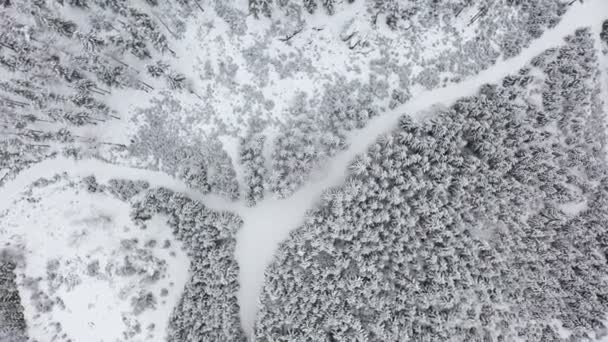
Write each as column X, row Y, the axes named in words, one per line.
column 531, row 17
column 396, row 12
column 264, row 7
column 208, row 309
column 478, row 34
column 536, row 14
column 16, row 155
column 486, row 223
column 12, row 321
column 510, row 24
column 314, row 138
column 126, row 189
column 604, row 33
column 202, row 164
column 62, row 59
column 254, row 168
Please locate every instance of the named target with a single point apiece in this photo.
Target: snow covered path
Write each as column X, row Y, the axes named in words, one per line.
column 266, row 225
column 104, row 171
column 271, row 221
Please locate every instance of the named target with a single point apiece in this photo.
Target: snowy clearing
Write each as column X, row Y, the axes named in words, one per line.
column 90, row 274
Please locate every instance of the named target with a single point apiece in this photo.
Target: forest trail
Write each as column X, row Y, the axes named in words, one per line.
column 103, row 172
column 272, row 220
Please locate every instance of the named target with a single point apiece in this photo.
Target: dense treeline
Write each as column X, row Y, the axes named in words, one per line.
column 62, row 61
column 202, row 163
column 254, row 168
column 396, row 11
column 502, row 28
column 314, row 137
column 42, row 44
column 208, row 308
column 487, row 222
column 604, row 33
column 265, row 7
column 12, row 320
column 16, row 155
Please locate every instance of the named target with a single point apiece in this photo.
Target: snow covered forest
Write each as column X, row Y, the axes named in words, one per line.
column 303, row 170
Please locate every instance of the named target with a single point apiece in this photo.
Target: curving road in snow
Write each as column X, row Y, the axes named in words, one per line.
column 271, row 221
column 103, row 171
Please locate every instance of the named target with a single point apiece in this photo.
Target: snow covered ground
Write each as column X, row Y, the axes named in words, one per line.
column 89, row 273
column 272, row 220
column 65, row 225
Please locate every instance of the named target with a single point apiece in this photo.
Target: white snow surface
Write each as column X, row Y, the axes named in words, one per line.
column 74, row 228
column 271, row 221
